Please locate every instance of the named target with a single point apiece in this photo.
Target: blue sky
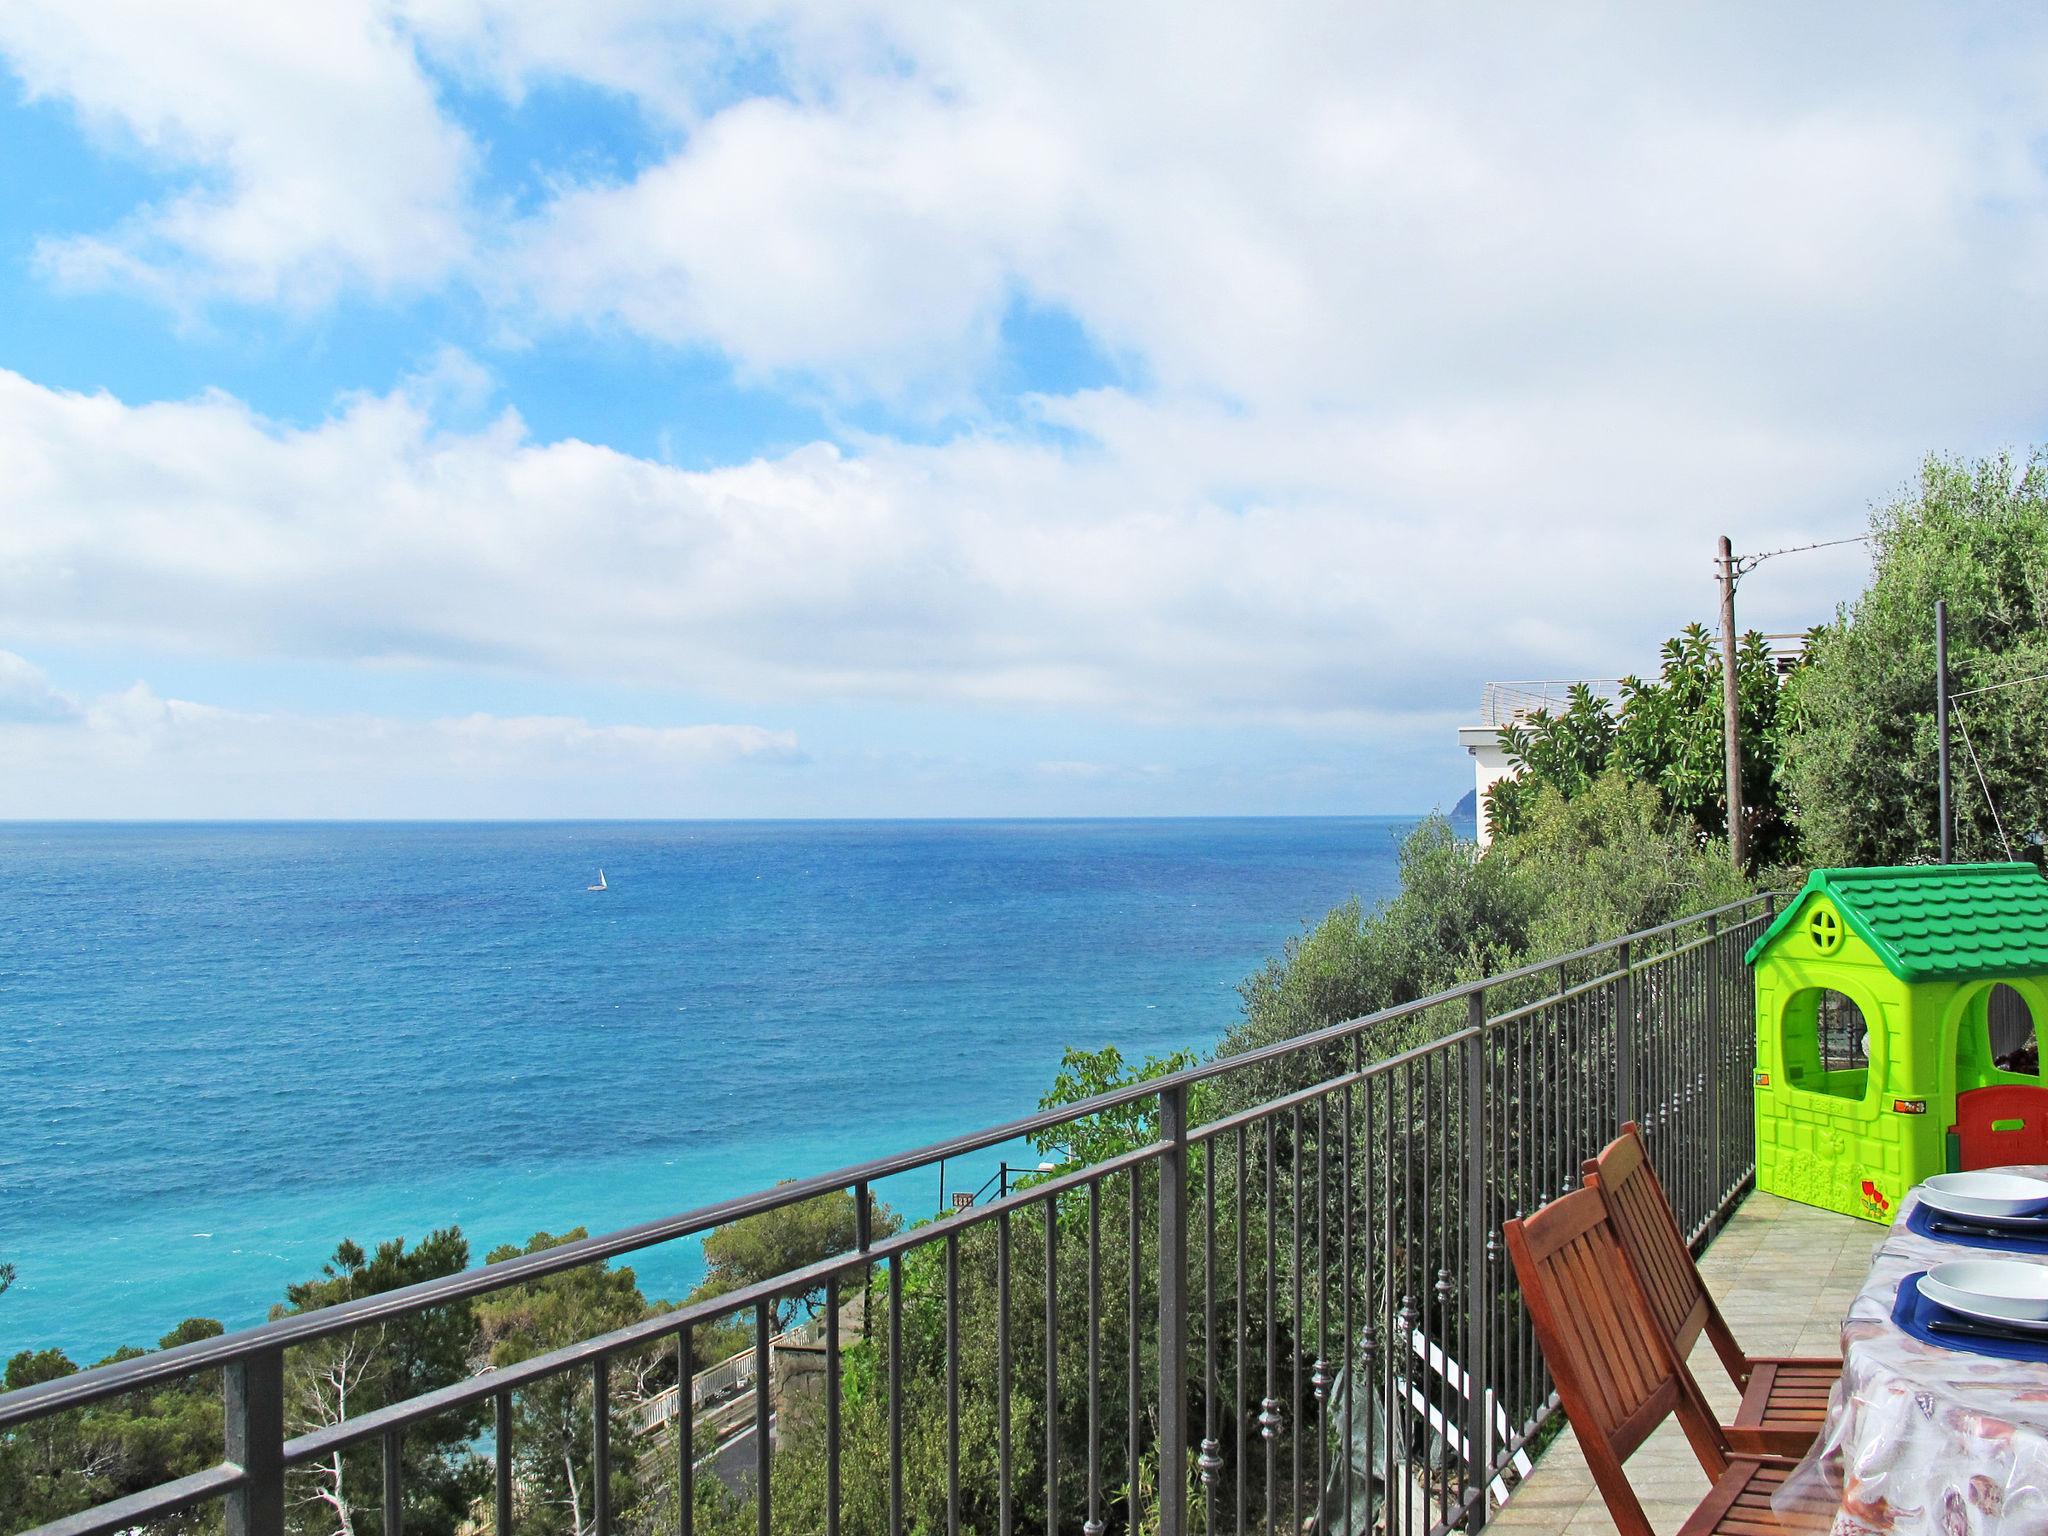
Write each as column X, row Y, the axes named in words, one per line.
column 472, row 407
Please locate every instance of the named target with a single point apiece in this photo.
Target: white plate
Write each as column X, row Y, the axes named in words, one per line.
column 1986, row 1194
column 1997, row 1290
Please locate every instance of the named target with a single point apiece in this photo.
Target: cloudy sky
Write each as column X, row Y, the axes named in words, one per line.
column 496, row 407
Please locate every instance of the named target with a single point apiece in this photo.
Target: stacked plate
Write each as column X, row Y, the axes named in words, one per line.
column 1989, row 1197
column 2005, row 1292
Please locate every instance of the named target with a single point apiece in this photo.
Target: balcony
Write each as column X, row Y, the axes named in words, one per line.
column 1265, row 1291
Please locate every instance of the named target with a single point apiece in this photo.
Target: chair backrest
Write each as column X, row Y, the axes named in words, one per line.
column 1612, row 1362
column 1658, row 1253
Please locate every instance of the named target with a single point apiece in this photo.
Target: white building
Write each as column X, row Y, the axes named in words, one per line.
column 1502, row 704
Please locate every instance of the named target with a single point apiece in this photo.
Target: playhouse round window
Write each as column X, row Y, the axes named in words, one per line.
column 1825, row 930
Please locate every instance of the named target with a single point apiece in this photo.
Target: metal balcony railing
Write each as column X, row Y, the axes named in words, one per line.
column 1276, row 1293
column 1505, row 703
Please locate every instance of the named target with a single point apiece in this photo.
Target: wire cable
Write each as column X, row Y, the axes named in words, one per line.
column 1971, row 747
column 2038, row 677
column 1744, row 564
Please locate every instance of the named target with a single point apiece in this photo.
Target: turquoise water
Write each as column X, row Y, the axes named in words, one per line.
column 224, row 1048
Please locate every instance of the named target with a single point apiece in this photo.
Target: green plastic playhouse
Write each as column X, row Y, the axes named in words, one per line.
column 1896, row 1018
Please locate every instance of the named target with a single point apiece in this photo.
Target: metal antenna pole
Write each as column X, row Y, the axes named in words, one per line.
column 1738, row 834
column 1948, row 825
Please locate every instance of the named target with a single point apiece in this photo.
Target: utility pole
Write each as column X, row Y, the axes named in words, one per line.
column 1948, row 824
column 1738, row 834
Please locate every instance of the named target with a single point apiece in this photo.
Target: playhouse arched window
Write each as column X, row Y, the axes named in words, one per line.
column 1826, row 1043
column 2009, row 1040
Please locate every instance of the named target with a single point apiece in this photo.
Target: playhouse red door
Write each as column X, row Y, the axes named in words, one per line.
column 2006, row 1124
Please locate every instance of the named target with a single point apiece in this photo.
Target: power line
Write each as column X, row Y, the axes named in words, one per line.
column 1744, row 564
column 1996, row 821
column 2038, row 677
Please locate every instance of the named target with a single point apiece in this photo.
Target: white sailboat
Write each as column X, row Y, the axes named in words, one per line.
column 600, row 886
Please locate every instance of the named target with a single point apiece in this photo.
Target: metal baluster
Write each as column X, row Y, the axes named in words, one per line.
column 601, row 1445
column 501, row 1455
column 1092, row 1526
column 394, row 1483
column 1173, row 1311
column 1479, row 1308
column 764, row 1402
column 1270, row 1421
column 1242, row 1401
column 1344, row 1265
column 1052, row 1365
column 896, row 1393
column 1402, row 1346
column 1370, row 1336
column 1210, row 1462
column 1624, row 1035
column 1319, row 1379
column 686, row 1437
column 1295, row 1325
column 1133, row 1418
column 1437, row 1143
column 952, row 1384
column 1004, row 1513
column 833, row 1408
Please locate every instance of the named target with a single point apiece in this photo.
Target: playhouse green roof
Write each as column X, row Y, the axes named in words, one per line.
column 1934, row 922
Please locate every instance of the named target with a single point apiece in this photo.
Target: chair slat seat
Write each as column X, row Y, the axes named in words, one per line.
column 1784, row 1397
column 1740, row 1503
column 1785, row 1405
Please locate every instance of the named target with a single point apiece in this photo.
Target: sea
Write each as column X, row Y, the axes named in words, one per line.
column 225, row 1048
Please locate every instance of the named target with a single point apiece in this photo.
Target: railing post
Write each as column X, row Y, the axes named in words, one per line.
column 255, row 1443
column 1479, row 1308
column 1625, row 1037
column 1717, row 1058
column 1173, row 1310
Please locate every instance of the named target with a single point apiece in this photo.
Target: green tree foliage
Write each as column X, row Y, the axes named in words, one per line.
column 1458, row 916
column 1669, row 732
column 1578, row 869
column 771, row 1243
column 1860, row 755
column 352, row 1373
column 123, row 1445
column 1565, row 751
column 551, row 1435
column 1609, row 861
column 1084, row 1074
column 1672, row 735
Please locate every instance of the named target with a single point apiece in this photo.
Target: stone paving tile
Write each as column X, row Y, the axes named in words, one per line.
column 1784, row 1275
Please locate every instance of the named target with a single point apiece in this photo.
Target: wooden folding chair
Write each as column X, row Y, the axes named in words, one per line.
column 1784, row 1397
column 1618, row 1378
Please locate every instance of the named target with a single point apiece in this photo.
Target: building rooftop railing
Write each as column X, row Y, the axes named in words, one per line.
column 1505, row 703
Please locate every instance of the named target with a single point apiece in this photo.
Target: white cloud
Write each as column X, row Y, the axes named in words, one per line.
column 1376, row 568
column 1320, row 205
column 310, row 150
column 1330, row 205
column 148, row 755
column 1451, row 347
column 27, row 697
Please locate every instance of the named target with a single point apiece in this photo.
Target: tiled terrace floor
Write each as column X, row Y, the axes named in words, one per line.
column 1784, row 1275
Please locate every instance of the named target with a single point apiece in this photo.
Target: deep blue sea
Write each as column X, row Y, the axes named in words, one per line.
column 224, row 1048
